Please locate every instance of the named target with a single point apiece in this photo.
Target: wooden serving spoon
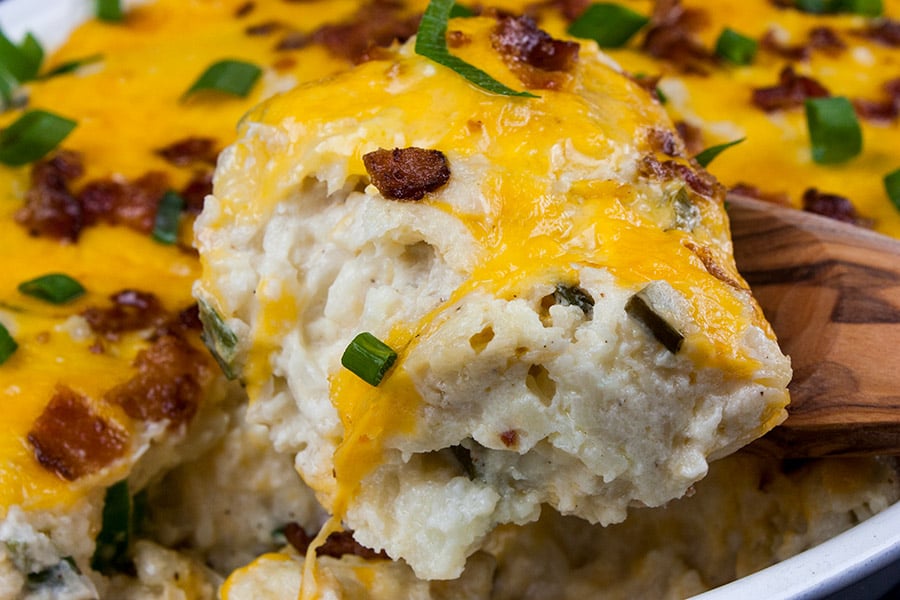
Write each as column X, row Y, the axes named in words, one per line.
column 832, row 294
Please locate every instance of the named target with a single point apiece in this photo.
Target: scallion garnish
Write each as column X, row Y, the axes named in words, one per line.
column 368, row 358
column 32, row 136
column 110, row 11
column 70, row 66
column 834, row 131
column 18, row 63
column 168, row 216
column 640, row 307
column 7, row 344
column 219, row 339
column 460, row 11
column 735, row 47
column 608, row 24
column 867, row 8
column 573, row 295
column 56, row 288
column 892, row 187
column 111, row 552
column 431, row 42
column 234, row 77
column 706, row 156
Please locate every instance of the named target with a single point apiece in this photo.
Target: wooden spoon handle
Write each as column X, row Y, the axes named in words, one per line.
column 832, row 293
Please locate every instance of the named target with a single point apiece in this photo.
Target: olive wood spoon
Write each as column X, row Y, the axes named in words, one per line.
column 831, row 291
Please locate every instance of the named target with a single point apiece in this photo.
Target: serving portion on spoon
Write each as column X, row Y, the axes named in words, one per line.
column 832, row 293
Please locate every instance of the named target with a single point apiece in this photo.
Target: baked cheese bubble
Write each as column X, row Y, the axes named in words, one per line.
column 552, row 272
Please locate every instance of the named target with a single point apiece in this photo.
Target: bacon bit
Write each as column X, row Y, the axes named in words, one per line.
column 671, row 37
column 750, row 191
column 169, row 384
column 791, row 92
column 284, row 63
column 132, row 310
column 406, row 173
column 130, row 203
column 770, row 43
column 692, row 137
column 700, row 181
column 647, row 83
column 510, row 438
column 826, row 39
column 663, row 140
column 71, row 440
column 832, row 206
column 537, row 59
column 818, row 38
column 264, row 28
column 712, row 266
column 881, row 110
column 378, row 23
column 196, row 191
column 336, row 545
column 244, row 9
column 883, row 31
column 190, row 150
column 50, row 208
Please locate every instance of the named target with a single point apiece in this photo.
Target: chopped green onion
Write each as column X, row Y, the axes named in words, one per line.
column 640, row 307
column 233, row 77
column 57, row 288
column 867, row 8
column 7, row 344
column 834, row 131
column 431, row 42
column 892, row 186
column 459, row 10
column 111, row 552
column 23, row 61
column 32, row 136
column 71, row 66
column 573, row 295
column 660, row 95
column 219, row 339
column 736, row 47
column 608, row 24
column 368, row 358
column 706, row 156
column 110, row 10
column 687, row 215
column 168, row 216
column 56, row 576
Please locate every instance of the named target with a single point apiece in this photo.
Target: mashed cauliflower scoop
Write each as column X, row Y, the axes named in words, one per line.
column 553, row 273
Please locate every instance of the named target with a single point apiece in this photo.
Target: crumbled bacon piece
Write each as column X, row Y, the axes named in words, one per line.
column 169, row 384
column 537, row 59
column 692, row 137
column 72, row 440
column 132, row 310
column 189, row 151
column 406, row 173
column 831, row 206
column 196, row 190
column 826, row 39
column 883, row 31
column 671, row 37
column 792, row 91
column 244, row 9
column 881, row 110
column 50, row 207
column 699, row 180
column 336, row 545
column 663, row 140
column 377, row 23
column 130, row 203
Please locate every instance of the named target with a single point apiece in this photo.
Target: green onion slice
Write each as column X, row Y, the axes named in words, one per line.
column 233, row 77
column 368, row 358
column 431, row 42
column 834, row 131
column 459, row 10
column 32, row 136
column 110, row 11
column 111, row 552
column 608, row 24
column 7, row 344
column 706, row 156
column 735, row 47
column 892, row 186
column 219, row 339
column 640, row 308
column 867, row 8
column 70, row 66
column 168, row 216
column 23, row 61
column 56, row 288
